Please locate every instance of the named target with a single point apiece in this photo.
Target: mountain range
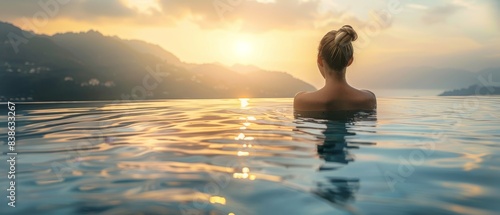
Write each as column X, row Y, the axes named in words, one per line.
column 474, row 90
column 91, row 66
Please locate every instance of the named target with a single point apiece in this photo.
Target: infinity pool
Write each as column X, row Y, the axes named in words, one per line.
column 429, row 155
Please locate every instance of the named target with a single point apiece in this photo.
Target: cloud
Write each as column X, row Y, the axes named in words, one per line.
column 11, row 9
column 260, row 15
column 109, row 8
column 440, row 13
column 248, row 15
column 417, row 6
column 495, row 10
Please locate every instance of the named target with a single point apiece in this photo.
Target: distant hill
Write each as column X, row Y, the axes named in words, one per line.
column 154, row 50
column 486, row 82
column 244, row 68
column 474, row 90
column 91, row 66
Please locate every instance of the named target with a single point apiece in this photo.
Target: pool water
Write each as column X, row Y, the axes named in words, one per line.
column 429, row 155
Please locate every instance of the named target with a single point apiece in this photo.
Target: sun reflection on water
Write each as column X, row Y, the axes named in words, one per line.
column 217, row 200
column 243, row 152
column 244, row 103
column 244, row 174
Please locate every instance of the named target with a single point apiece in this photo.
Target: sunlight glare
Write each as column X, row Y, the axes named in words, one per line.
column 244, row 102
column 243, row 49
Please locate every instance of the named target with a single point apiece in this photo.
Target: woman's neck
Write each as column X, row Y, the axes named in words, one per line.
column 335, row 78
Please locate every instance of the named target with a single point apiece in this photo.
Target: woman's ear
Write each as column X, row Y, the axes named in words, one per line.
column 320, row 61
column 350, row 61
column 320, row 66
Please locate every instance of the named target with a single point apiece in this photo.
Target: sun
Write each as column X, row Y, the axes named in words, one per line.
column 243, row 49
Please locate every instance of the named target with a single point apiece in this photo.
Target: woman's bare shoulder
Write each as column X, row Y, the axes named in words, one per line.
column 371, row 97
column 300, row 93
column 298, row 97
column 369, row 93
column 303, row 100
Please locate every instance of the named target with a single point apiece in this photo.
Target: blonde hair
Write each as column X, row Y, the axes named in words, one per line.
column 336, row 47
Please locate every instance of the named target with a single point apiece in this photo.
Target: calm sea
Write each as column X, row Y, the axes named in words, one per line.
column 425, row 155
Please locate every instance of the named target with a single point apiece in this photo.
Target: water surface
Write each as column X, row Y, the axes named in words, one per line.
column 428, row 155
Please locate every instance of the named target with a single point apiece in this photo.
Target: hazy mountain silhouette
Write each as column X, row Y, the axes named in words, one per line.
column 91, row 66
column 474, row 90
column 486, row 82
column 244, row 68
column 155, row 50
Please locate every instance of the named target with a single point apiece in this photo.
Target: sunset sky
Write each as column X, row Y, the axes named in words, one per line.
column 283, row 35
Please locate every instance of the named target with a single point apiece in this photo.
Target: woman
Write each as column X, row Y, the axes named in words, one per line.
column 335, row 55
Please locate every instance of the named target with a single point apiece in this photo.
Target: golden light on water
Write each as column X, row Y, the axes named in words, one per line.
column 250, row 118
column 246, row 124
column 240, row 136
column 474, row 161
column 242, row 153
column 217, row 200
column 244, row 174
column 244, row 102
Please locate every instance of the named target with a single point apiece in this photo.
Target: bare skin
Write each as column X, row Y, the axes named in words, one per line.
column 336, row 95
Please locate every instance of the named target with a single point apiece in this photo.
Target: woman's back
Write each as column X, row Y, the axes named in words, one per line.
column 339, row 98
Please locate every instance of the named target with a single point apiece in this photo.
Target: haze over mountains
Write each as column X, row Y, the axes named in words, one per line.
column 91, row 66
column 431, row 78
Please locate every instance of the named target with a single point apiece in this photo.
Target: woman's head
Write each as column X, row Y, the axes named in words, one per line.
column 336, row 48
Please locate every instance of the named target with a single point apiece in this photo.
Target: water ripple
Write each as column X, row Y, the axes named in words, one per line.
column 255, row 157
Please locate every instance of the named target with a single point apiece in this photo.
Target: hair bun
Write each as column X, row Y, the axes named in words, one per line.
column 336, row 47
column 345, row 35
column 349, row 30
